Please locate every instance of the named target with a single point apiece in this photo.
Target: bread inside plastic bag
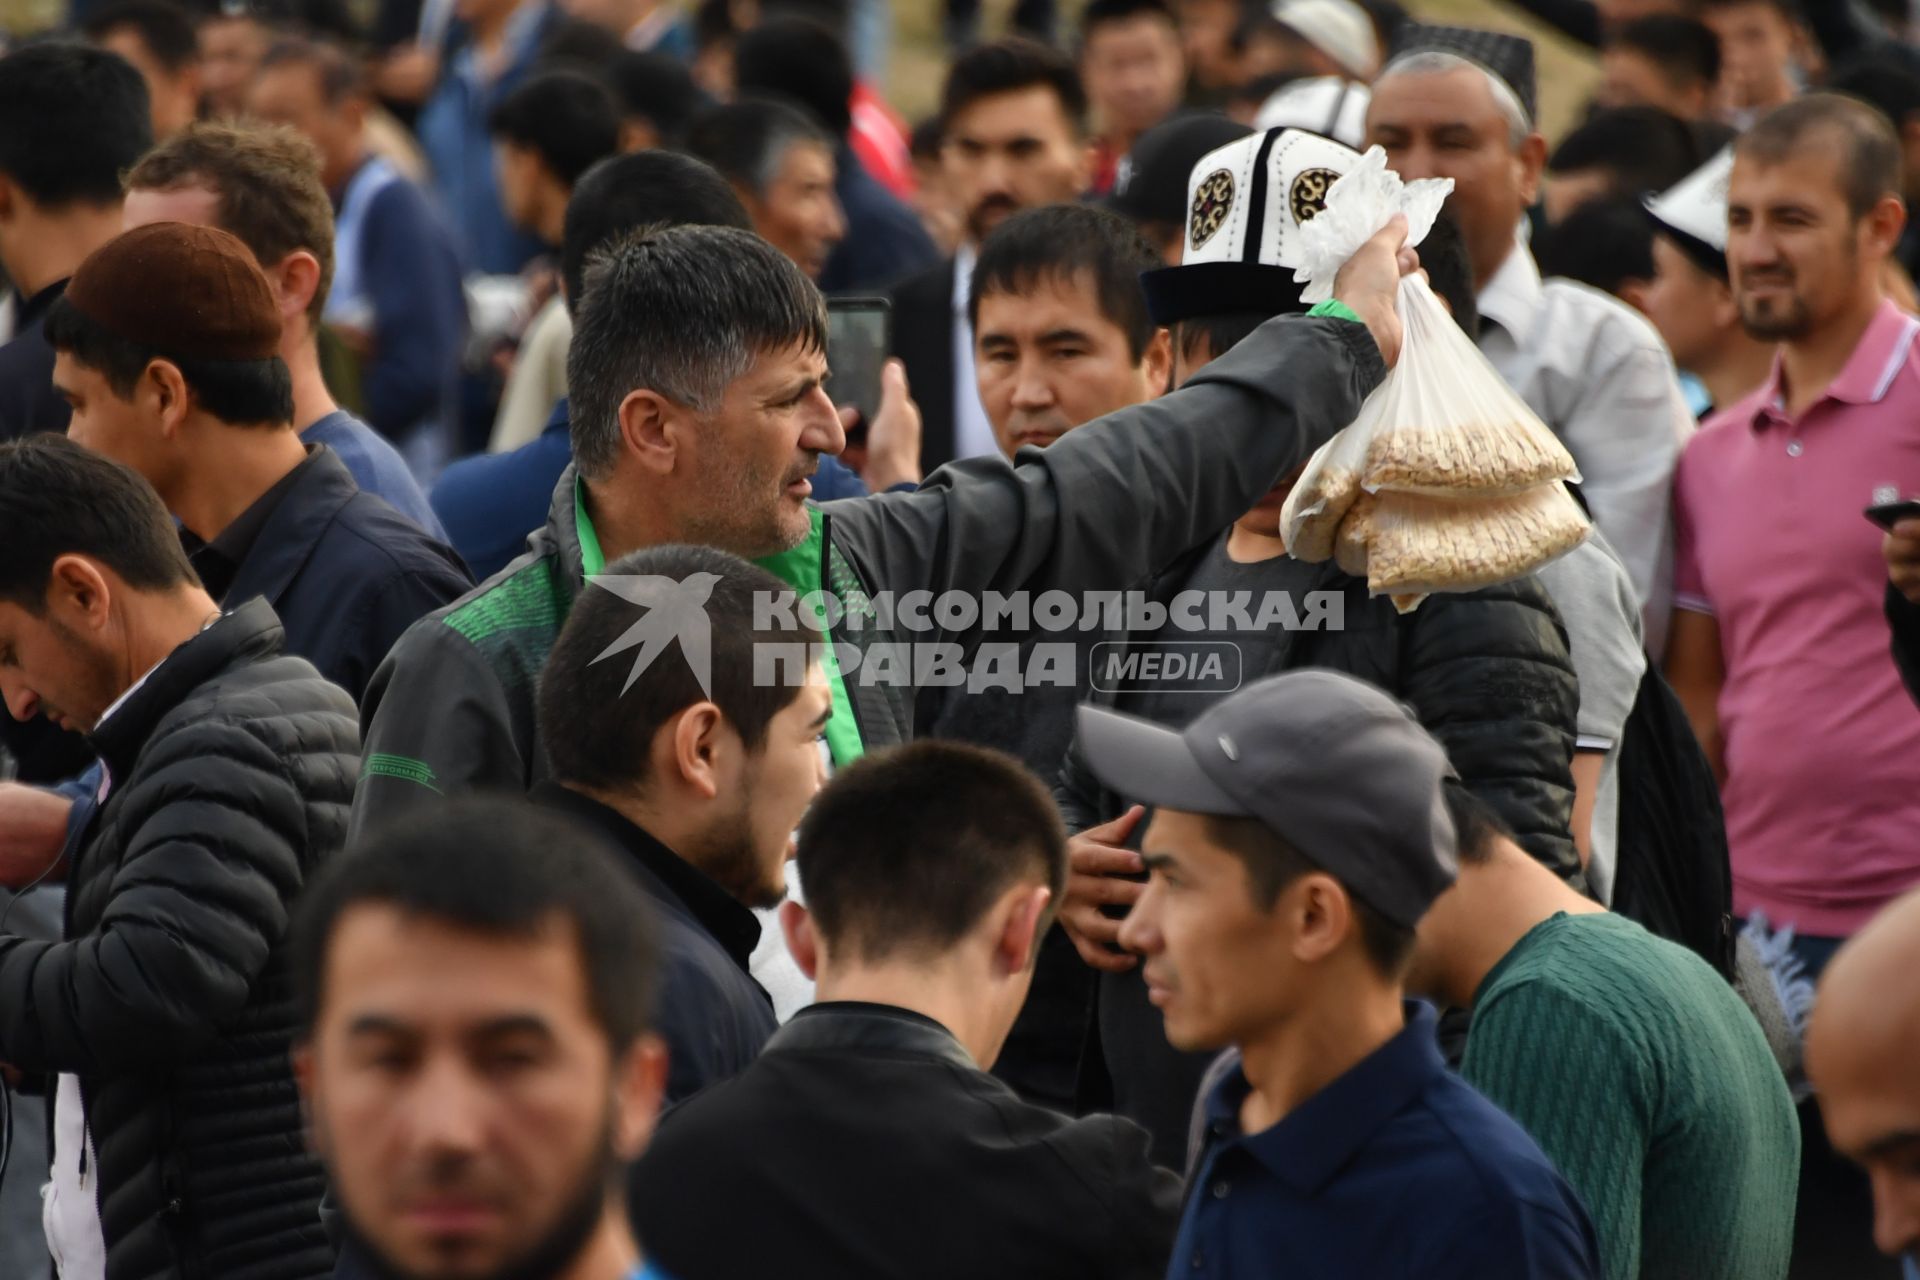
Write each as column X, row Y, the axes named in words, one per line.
column 1417, row 544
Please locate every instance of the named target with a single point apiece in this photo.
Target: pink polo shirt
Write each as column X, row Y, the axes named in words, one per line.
column 1822, row 741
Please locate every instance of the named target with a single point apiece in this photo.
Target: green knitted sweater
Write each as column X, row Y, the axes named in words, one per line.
column 1648, row 1083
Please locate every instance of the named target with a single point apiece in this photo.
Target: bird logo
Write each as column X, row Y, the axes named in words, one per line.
column 676, row 609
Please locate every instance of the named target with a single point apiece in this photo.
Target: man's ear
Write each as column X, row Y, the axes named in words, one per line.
column 1022, row 912
column 165, row 388
column 1532, row 159
column 695, row 744
column 1883, row 224
column 78, row 594
column 653, row 430
column 1634, row 293
column 802, row 943
column 295, row 279
column 1322, row 916
column 1156, row 364
column 301, row 1058
column 639, row 1084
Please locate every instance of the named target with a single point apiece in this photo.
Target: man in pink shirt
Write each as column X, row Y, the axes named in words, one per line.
column 1779, row 644
column 1779, row 647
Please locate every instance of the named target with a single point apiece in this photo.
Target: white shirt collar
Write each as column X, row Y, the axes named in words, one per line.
column 963, row 259
column 1513, row 295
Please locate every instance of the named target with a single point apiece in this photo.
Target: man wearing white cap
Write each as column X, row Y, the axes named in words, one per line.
column 1690, row 300
column 1460, row 104
column 1332, row 38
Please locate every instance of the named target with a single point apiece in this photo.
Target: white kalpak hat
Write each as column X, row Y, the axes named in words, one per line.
column 1246, row 203
column 1693, row 213
column 1340, row 29
column 1326, row 105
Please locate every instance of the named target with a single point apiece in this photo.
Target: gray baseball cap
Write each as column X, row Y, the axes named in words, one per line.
column 1330, row 764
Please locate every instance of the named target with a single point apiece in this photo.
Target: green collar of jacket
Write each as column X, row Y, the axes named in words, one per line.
column 804, row 568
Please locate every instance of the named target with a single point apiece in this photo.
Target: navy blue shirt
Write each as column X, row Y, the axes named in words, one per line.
column 377, row 466
column 1396, row 1170
column 885, row 242
column 489, row 503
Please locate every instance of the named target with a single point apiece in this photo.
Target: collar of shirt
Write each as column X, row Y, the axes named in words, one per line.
column 218, row 561
column 650, row 30
column 1513, row 295
column 730, row 923
column 1866, row 378
column 106, row 773
column 1315, row 1140
column 33, row 310
column 963, row 259
column 857, row 1026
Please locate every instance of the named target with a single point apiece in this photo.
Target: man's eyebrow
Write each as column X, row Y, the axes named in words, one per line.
column 1157, row 861
column 376, row 1024
column 1066, row 335
column 1892, row 1142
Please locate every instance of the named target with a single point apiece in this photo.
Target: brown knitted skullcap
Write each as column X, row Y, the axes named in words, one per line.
column 187, row 291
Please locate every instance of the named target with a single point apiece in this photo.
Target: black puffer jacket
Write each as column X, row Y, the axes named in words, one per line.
column 1486, row 672
column 231, row 769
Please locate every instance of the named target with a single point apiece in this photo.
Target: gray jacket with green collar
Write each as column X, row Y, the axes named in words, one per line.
column 452, row 707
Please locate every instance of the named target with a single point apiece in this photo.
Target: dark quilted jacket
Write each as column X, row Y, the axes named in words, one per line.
column 1486, row 672
column 231, row 769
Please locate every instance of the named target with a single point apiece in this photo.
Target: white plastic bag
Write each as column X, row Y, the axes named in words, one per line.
column 1442, row 441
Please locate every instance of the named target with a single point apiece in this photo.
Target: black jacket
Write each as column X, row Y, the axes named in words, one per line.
column 230, row 771
column 866, row 1143
column 346, row 573
column 1487, row 673
column 923, row 339
column 714, row 1017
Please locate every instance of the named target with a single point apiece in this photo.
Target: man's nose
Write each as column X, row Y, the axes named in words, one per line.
column 835, row 222
column 1032, row 389
column 1140, row 931
column 447, row 1115
column 1414, row 162
column 22, row 702
column 823, row 432
column 1896, row 1214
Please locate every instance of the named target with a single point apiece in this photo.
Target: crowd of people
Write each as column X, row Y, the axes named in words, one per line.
column 625, row 665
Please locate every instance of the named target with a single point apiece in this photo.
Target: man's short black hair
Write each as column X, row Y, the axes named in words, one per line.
column 657, row 88
column 89, row 122
column 574, row 45
column 1272, row 865
column 598, row 717
column 621, row 194
column 1476, row 826
column 1008, row 66
column 1881, row 83
column 1643, row 149
column 500, row 868
column 1870, row 149
column 802, row 61
column 565, row 117
column 164, row 28
column 1060, row 242
column 682, row 312
column 58, row 499
column 906, row 849
column 747, row 140
column 241, row 393
column 1101, row 13
column 1685, row 50
column 1603, row 243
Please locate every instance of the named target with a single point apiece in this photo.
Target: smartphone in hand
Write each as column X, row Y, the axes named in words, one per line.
column 859, row 336
column 1887, row 514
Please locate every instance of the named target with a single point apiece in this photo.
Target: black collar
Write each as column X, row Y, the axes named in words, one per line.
column 668, row 877
column 223, row 562
column 857, row 1027
column 32, row 310
column 249, row 632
